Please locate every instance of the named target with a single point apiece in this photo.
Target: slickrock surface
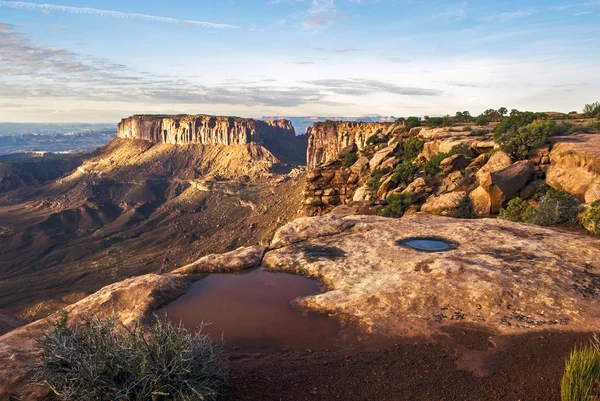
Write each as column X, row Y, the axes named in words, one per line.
column 131, row 301
column 575, row 166
column 506, row 276
column 241, row 258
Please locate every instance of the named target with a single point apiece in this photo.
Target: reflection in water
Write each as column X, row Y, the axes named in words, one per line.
column 253, row 310
column 426, row 244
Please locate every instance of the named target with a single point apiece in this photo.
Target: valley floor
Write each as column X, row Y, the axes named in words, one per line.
column 466, row 365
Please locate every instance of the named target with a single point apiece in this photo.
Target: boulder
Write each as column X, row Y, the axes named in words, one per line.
column 379, row 157
column 483, row 147
column 453, row 204
column 360, row 166
column 9, row 322
column 362, row 194
column 313, row 201
column 385, row 187
column 390, row 163
column 498, row 161
column 575, row 166
column 453, row 163
column 240, row 259
column 313, row 175
column 347, row 150
column 478, row 162
column 419, row 189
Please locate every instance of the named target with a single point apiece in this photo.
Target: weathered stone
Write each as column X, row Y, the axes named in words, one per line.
column 347, row 150
column 390, row 163
column 313, row 175
column 239, row 259
column 499, row 161
column 305, row 228
column 379, row 157
column 327, row 176
column 9, row 322
column 331, row 200
column 575, row 166
column 483, row 147
column 362, row 194
column 360, row 166
column 509, row 277
column 454, row 204
column 330, row 192
column 385, row 187
column 353, row 178
column 478, row 162
column 453, row 163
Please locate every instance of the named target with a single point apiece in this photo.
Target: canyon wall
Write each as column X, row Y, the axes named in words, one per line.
column 276, row 135
column 326, row 139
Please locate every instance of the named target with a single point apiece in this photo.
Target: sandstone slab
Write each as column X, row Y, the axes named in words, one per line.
column 239, row 259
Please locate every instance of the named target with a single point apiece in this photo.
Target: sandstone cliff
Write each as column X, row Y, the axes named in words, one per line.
column 276, row 135
column 326, row 139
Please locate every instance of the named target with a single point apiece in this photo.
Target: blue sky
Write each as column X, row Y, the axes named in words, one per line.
column 99, row 61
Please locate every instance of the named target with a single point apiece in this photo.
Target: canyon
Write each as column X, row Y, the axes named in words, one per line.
column 130, row 227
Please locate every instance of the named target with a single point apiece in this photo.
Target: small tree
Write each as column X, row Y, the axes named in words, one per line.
column 592, row 110
column 502, row 111
column 412, row 122
column 397, row 205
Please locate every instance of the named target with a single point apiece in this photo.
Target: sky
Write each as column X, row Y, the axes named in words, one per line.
column 100, row 61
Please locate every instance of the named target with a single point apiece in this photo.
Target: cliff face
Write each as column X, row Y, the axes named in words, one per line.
column 276, row 135
column 326, row 139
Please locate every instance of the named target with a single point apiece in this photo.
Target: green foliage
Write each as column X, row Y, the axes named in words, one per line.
column 412, row 122
column 596, row 126
column 404, row 173
column 98, row 360
column 374, row 181
column 510, row 125
column 502, row 111
column 555, row 208
column 437, row 122
column 591, row 218
column 463, row 117
column 582, row 371
column 592, row 110
column 397, row 205
column 412, row 147
column 480, row 132
column 528, row 137
column 376, row 139
column 482, row 120
column 432, row 166
column 518, row 210
column 350, row 159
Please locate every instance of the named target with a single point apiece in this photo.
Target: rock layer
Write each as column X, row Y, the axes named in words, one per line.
column 276, row 135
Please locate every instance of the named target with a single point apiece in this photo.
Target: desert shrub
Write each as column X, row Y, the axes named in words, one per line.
column 482, row 120
column 101, row 360
column 461, row 149
column 528, row 137
column 412, row 122
column 510, row 125
column 591, row 218
column 467, row 129
column 412, row 147
column 404, row 173
column 555, row 208
column 397, row 205
column 582, row 371
column 432, row 166
column 480, row 132
column 350, row 159
column 517, row 210
column 376, row 139
column 592, row 110
column 375, row 180
column 596, row 126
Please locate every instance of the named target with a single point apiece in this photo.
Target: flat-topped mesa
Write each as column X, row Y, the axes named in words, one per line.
column 278, row 136
column 203, row 129
column 326, row 139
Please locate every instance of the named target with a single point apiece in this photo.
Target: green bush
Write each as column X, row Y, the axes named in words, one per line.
column 510, row 125
column 592, row 110
column 376, row 139
column 555, row 208
column 596, row 126
column 374, row 182
column 517, row 210
column 480, row 132
column 350, row 159
column 528, row 137
column 99, row 360
column 412, row 122
column 404, row 173
column 482, row 120
column 432, row 166
column 580, row 379
column 591, row 218
column 412, row 147
column 397, row 205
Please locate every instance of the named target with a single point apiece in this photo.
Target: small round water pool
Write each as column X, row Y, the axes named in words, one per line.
column 428, row 244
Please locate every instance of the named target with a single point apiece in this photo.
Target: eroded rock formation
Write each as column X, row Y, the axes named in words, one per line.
column 276, row 135
column 328, row 138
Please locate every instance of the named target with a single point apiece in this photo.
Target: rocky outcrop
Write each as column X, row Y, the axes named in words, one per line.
column 506, row 276
column 276, row 135
column 442, row 140
column 499, row 181
column 453, row 204
column 132, row 301
column 575, row 166
column 328, row 138
column 240, row 259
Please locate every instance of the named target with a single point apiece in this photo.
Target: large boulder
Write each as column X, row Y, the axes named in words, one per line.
column 575, row 166
column 498, row 161
column 360, row 166
column 239, row 259
column 362, row 194
column 379, row 157
column 500, row 186
column 454, row 163
column 453, row 204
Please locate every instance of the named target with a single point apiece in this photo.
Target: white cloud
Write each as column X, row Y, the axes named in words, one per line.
column 47, row 8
